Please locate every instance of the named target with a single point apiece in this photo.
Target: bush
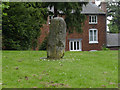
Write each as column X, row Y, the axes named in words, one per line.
column 104, row 48
column 21, row 26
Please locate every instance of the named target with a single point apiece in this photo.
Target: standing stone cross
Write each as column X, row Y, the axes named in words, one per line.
column 56, row 39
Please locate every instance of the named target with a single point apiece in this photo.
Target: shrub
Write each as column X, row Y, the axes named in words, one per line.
column 104, row 48
column 21, row 26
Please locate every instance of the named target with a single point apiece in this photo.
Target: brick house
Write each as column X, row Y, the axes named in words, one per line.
column 93, row 36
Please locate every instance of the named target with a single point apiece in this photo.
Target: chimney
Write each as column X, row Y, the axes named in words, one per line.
column 103, row 6
column 93, row 1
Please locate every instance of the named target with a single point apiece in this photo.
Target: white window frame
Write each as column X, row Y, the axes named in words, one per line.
column 90, row 16
column 93, row 36
column 80, row 45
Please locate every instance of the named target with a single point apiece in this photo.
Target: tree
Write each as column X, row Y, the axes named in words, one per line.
column 3, row 6
column 21, row 25
column 113, row 9
column 72, row 11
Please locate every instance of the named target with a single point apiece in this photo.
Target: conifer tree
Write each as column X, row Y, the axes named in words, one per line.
column 72, row 11
column 113, row 9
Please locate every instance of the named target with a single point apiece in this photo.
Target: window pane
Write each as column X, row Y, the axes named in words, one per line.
column 77, row 45
column 91, row 35
column 93, row 19
column 49, row 17
column 80, row 45
column 95, row 35
column 71, row 44
column 91, row 38
column 89, row 18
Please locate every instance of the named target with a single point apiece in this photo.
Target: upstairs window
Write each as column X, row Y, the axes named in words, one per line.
column 93, row 36
column 92, row 19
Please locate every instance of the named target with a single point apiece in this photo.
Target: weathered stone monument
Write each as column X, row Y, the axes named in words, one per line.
column 56, row 39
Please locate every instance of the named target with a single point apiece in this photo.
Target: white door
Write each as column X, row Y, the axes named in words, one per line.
column 75, row 45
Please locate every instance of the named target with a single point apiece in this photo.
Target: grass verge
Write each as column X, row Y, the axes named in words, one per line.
column 0, row 69
column 25, row 69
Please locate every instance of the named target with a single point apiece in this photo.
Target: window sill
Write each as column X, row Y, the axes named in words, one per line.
column 76, row 50
column 92, row 23
column 93, row 42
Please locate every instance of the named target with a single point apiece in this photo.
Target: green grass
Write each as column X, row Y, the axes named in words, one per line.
column 0, row 70
column 25, row 69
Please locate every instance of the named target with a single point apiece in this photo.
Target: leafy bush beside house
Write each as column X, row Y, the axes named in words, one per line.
column 105, row 48
column 21, row 24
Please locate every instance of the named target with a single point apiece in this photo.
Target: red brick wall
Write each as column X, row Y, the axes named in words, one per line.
column 100, row 26
column 44, row 33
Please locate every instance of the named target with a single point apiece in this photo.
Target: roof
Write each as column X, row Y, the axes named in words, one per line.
column 113, row 39
column 91, row 8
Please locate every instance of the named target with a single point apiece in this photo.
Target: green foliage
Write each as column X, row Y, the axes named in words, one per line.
column 21, row 26
column 43, row 46
column 113, row 9
column 73, row 20
column 3, row 6
column 113, row 28
column 104, row 48
column 97, row 69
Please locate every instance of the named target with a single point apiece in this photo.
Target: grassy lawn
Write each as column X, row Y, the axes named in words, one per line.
column 0, row 70
column 25, row 69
